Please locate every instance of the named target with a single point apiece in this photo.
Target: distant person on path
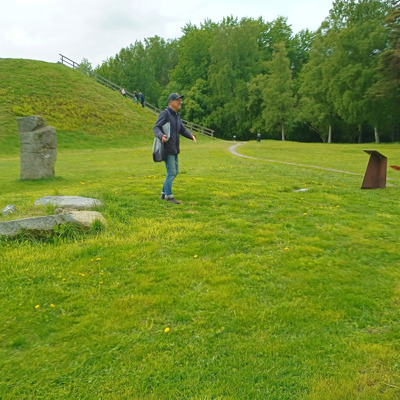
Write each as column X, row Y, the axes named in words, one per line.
column 142, row 98
column 258, row 137
column 123, row 92
column 135, row 97
column 171, row 145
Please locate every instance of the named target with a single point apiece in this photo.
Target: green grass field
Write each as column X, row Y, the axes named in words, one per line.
column 247, row 290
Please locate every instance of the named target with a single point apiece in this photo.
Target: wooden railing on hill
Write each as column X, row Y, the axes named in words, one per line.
column 189, row 125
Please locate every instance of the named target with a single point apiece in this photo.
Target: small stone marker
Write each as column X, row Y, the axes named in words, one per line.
column 300, row 190
column 38, row 148
column 8, row 209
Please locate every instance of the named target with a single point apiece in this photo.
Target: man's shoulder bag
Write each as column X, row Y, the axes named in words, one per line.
column 158, row 145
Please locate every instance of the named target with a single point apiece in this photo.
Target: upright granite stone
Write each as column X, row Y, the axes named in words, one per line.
column 38, row 148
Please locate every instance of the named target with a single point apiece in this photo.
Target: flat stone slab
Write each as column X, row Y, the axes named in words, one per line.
column 74, row 202
column 47, row 223
column 43, row 224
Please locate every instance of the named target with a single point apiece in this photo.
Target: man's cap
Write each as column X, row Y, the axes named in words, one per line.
column 174, row 96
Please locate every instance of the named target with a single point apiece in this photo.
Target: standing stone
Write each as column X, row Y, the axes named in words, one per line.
column 38, row 148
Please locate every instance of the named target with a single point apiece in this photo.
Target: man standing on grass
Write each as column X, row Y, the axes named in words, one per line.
column 171, row 144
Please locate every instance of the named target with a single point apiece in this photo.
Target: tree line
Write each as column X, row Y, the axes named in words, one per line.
column 339, row 83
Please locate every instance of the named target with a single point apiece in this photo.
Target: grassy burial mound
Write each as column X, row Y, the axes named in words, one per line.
column 84, row 113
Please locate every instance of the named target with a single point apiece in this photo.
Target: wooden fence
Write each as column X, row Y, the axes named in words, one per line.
column 189, row 125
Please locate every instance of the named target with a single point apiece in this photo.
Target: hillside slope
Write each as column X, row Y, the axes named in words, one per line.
column 83, row 112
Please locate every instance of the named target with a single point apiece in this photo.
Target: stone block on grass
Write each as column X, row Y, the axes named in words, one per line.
column 71, row 202
column 46, row 224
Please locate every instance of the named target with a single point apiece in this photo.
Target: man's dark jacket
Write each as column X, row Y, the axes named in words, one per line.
column 176, row 128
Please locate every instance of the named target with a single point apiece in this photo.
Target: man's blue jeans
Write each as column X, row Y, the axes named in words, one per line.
column 171, row 164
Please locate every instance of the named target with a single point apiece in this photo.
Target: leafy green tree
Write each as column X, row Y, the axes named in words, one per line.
column 278, row 95
column 250, row 76
column 297, row 47
column 316, row 103
column 86, row 65
column 387, row 89
column 342, row 68
column 299, row 53
column 234, row 58
column 355, row 50
column 193, row 54
column 143, row 66
column 255, row 104
column 390, row 58
column 272, row 34
column 234, row 54
column 197, row 102
column 190, row 74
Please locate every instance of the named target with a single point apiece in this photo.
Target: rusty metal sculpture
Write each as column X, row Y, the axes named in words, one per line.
column 375, row 175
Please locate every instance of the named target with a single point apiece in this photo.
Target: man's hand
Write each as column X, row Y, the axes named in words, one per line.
column 164, row 138
column 193, row 138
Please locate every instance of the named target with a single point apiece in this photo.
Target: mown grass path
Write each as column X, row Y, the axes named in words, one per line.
column 233, row 150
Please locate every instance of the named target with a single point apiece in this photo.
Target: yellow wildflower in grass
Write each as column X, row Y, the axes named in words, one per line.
column 82, row 183
column 52, row 305
column 37, row 306
column 195, row 256
column 286, row 249
column 98, row 259
column 101, row 273
column 80, row 273
column 100, row 282
column 166, row 330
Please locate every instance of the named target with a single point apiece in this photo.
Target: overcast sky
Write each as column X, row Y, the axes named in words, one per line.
column 99, row 29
